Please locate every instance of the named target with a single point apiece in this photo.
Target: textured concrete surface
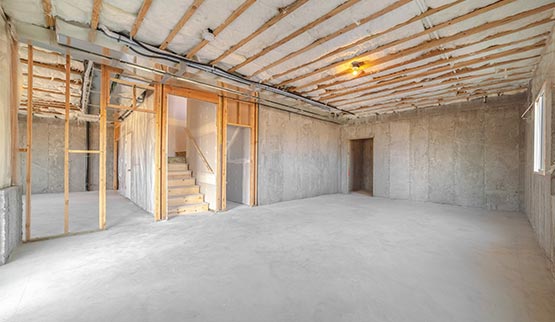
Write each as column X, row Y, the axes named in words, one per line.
column 465, row 154
column 330, row 258
column 47, row 216
column 539, row 197
column 238, row 165
column 298, row 157
column 362, row 155
column 10, row 221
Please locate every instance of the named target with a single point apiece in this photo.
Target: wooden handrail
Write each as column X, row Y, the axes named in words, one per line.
column 199, row 151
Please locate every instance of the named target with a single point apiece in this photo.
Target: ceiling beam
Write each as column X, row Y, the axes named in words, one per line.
column 186, row 16
column 335, row 34
column 337, row 10
column 140, row 17
column 234, row 15
column 383, row 47
column 97, row 6
column 432, row 44
column 49, row 20
column 282, row 13
column 426, row 56
column 447, row 65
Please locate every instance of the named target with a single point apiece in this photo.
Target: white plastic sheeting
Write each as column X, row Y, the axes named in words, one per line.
column 5, row 95
column 137, row 157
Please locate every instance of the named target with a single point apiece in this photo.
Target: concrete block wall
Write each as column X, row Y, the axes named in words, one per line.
column 10, row 221
column 467, row 154
column 298, row 157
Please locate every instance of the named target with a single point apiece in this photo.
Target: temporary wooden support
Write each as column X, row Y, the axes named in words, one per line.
column 66, row 145
column 337, row 10
column 140, row 17
column 48, row 18
column 85, row 151
column 223, row 165
column 29, row 160
column 14, row 109
column 158, row 159
column 236, row 13
column 161, row 104
column 336, row 34
column 219, row 151
column 130, row 83
column 117, row 128
column 104, row 97
column 253, row 186
column 425, row 45
column 175, row 30
column 283, row 12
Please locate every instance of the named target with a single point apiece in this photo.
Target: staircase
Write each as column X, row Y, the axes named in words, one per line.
column 184, row 195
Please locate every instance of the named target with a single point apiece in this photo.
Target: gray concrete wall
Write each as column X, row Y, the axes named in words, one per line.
column 10, row 221
column 539, row 197
column 238, row 164
column 465, row 154
column 298, row 157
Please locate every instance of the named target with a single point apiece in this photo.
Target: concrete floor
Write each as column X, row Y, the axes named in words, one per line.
column 330, row 258
column 47, row 212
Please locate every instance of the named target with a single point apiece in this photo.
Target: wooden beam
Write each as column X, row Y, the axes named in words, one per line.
column 42, row 90
column 234, row 15
column 104, row 97
column 163, row 105
column 14, row 110
column 447, row 65
column 337, row 10
column 58, row 80
column 336, row 34
column 426, row 56
column 29, row 160
column 282, row 13
column 97, row 6
column 175, row 30
column 425, row 45
column 115, row 156
column 158, row 157
column 219, row 145
column 140, row 17
column 60, row 68
column 84, row 151
column 49, row 20
column 66, row 145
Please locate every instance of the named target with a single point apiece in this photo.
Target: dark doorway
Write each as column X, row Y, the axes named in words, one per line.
column 362, row 166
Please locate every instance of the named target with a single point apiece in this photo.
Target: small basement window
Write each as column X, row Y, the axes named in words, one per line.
column 539, row 132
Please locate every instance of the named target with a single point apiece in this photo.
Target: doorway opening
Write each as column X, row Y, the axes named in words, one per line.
column 362, row 166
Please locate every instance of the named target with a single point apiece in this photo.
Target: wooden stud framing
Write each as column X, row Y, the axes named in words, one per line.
column 140, row 17
column 219, row 150
column 175, row 30
column 49, row 20
column 66, row 145
column 342, row 7
column 336, row 34
column 85, row 151
column 14, row 109
column 162, row 104
column 423, row 46
column 29, row 161
column 236, row 13
column 158, row 160
column 104, row 97
column 253, row 182
column 283, row 12
column 223, row 166
column 117, row 128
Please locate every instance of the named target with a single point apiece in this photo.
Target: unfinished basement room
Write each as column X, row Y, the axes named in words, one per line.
column 277, row 160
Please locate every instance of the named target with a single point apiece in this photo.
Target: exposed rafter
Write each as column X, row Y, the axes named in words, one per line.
column 49, row 20
column 188, row 14
column 239, row 11
column 97, row 6
column 395, row 43
column 344, row 6
column 140, row 17
column 282, row 13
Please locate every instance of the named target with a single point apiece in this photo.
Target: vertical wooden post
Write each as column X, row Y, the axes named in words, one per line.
column 104, row 96
column 157, row 159
column 253, row 153
column 224, row 154
column 115, row 156
column 28, row 188
column 163, row 104
column 66, row 145
column 14, row 102
column 219, row 120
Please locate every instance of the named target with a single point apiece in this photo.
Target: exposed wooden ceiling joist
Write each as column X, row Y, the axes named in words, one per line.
column 282, row 13
column 398, row 42
column 177, row 28
column 239, row 11
column 344, row 6
column 49, row 20
column 97, row 6
column 140, row 17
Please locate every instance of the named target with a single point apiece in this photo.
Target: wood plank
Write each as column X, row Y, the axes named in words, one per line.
column 29, row 160
column 140, row 17
column 129, row 108
column 336, row 34
column 104, row 97
column 36, row 89
column 97, row 6
column 175, row 30
column 428, row 55
column 49, row 20
column 192, row 93
column 224, row 156
column 163, row 105
column 253, row 156
column 66, row 144
column 14, row 109
column 425, row 45
column 234, row 15
column 115, row 156
column 84, row 151
column 131, row 84
column 283, row 12
column 330, row 14
column 219, row 143
column 60, row 68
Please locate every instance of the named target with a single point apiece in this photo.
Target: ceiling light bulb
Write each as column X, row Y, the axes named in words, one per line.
column 356, row 71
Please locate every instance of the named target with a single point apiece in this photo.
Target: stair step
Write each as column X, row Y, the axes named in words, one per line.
column 181, row 154
column 177, row 159
column 188, row 209
column 180, row 190
column 181, row 182
column 180, row 200
column 178, row 166
column 176, row 174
